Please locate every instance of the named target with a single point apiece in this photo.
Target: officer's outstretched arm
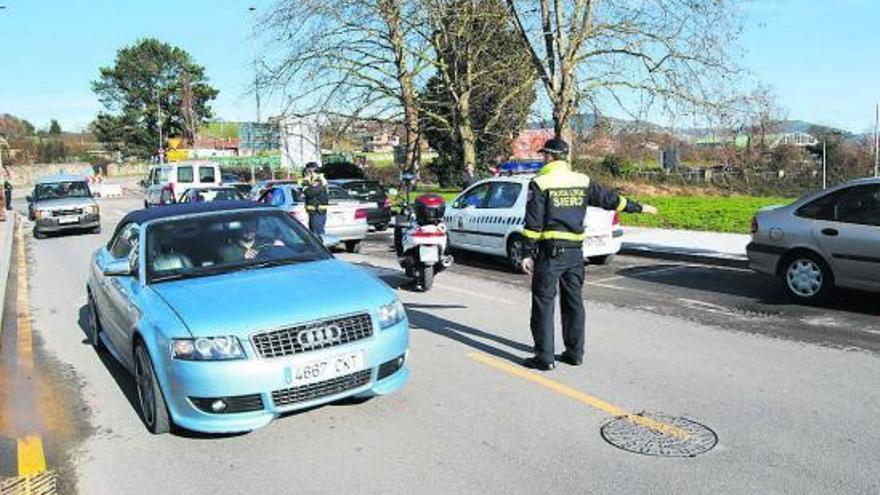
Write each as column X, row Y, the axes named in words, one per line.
column 608, row 199
column 534, row 221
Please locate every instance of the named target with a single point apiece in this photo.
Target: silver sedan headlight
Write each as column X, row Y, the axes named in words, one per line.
column 207, row 349
column 38, row 214
column 91, row 209
column 391, row 314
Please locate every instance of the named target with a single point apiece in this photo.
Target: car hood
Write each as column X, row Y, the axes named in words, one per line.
column 63, row 203
column 241, row 303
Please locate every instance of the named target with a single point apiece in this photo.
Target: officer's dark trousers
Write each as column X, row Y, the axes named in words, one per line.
column 317, row 220
column 567, row 272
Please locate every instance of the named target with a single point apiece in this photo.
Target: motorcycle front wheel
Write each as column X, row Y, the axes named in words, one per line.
column 426, row 277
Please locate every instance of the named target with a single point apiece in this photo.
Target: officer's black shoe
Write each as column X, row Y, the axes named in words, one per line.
column 569, row 359
column 536, row 364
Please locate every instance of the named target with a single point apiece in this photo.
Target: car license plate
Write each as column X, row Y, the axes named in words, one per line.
column 429, row 254
column 595, row 241
column 327, row 369
column 68, row 219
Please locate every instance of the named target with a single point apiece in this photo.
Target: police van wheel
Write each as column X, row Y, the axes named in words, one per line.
column 514, row 253
column 426, row 278
column 601, row 260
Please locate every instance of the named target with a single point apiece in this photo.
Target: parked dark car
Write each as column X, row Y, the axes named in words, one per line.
column 369, row 191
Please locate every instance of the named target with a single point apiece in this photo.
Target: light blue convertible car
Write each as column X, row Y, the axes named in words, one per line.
column 231, row 313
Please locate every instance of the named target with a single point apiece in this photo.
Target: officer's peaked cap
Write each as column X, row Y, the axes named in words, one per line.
column 555, row 147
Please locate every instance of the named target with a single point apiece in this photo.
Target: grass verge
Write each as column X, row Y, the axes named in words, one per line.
column 707, row 213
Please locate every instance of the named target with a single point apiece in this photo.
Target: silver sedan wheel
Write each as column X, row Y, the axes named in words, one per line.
column 804, row 277
column 144, row 379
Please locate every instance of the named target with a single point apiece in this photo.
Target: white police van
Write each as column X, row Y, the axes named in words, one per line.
column 489, row 218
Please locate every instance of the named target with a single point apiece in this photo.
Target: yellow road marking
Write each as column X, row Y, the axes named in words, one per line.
column 25, row 344
column 31, row 460
column 577, row 395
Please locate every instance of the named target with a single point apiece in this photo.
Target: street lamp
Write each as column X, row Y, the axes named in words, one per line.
column 253, row 11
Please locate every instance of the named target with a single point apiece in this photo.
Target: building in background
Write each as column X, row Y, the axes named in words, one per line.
column 299, row 141
column 528, row 143
column 258, row 138
column 382, row 142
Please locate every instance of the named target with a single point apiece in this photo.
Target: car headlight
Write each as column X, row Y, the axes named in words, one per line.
column 38, row 214
column 391, row 314
column 207, row 349
column 91, row 209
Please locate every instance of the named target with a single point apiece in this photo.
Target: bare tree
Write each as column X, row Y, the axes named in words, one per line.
column 475, row 59
column 635, row 54
column 359, row 58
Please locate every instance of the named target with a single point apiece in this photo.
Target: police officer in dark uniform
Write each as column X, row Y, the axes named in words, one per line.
column 317, row 198
column 554, row 232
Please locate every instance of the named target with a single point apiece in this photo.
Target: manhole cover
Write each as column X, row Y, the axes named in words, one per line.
column 659, row 434
column 40, row 484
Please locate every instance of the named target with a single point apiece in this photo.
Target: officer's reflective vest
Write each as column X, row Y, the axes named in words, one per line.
column 558, row 200
column 315, row 192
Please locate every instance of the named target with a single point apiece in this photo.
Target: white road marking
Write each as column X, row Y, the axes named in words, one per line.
column 705, row 306
column 646, row 272
column 475, row 294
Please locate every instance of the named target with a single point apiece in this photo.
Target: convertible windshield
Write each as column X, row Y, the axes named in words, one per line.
column 223, row 242
column 59, row 190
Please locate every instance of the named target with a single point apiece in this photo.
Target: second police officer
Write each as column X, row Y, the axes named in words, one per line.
column 554, row 232
column 314, row 187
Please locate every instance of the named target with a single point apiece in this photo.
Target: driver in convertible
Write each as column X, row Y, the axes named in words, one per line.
column 246, row 247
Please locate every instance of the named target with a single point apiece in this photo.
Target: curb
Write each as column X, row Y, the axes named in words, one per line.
column 730, row 261
column 7, row 232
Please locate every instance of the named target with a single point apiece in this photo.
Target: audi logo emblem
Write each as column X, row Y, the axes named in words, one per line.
column 314, row 337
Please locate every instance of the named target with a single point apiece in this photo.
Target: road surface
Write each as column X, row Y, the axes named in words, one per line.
column 790, row 392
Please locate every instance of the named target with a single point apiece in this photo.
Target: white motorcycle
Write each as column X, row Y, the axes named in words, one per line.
column 420, row 240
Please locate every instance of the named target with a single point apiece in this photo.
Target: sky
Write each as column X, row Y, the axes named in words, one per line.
column 818, row 56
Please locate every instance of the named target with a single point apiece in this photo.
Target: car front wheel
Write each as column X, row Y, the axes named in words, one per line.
column 807, row 278
column 353, row 246
column 150, row 398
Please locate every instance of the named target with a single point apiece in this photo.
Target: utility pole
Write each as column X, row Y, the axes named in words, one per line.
column 159, row 125
column 877, row 142
column 824, row 168
column 253, row 11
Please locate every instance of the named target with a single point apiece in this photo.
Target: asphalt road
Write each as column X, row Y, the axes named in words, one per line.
column 791, row 392
column 731, row 298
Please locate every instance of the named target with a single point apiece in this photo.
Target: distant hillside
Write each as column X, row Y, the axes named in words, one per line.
column 584, row 123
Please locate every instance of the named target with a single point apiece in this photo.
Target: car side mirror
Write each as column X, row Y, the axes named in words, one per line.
column 118, row 268
column 330, row 240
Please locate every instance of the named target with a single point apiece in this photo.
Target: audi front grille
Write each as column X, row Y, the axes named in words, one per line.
column 288, row 341
column 305, row 393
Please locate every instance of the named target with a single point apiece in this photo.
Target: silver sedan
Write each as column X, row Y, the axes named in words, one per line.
column 824, row 240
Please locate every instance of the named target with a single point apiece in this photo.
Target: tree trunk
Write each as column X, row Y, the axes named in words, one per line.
column 411, row 136
column 466, row 130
